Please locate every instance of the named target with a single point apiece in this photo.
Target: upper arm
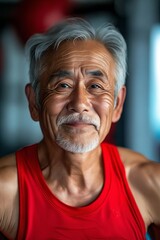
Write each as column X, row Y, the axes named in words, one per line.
column 152, row 172
column 8, row 196
column 143, row 177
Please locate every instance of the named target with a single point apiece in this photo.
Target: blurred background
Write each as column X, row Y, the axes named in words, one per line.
column 139, row 23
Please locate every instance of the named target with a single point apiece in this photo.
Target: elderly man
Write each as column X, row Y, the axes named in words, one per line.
column 72, row 185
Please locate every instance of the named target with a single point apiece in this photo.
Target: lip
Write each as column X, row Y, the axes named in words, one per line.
column 79, row 127
column 78, row 121
column 78, row 124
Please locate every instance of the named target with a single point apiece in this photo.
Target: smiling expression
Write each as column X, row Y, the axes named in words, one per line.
column 77, row 95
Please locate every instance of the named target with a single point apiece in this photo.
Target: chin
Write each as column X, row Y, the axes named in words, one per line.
column 77, row 147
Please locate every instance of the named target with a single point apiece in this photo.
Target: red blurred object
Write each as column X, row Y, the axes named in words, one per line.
column 111, row 137
column 36, row 16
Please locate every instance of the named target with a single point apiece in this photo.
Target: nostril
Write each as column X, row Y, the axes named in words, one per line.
column 78, row 106
column 78, row 109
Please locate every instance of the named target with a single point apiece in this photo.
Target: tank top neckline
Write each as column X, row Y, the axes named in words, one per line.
column 54, row 201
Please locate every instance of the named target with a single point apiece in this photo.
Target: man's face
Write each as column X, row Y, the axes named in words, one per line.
column 77, row 95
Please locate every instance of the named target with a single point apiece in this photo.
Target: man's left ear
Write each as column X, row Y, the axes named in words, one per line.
column 33, row 108
column 119, row 104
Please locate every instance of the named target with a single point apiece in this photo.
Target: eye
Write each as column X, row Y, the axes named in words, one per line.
column 95, row 86
column 63, row 85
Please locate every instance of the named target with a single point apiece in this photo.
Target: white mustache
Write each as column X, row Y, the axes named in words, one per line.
column 75, row 118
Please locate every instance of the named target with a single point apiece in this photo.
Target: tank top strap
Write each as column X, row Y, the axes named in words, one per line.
column 119, row 171
column 26, row 160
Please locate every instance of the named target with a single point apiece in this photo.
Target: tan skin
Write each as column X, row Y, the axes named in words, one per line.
column 78, row 78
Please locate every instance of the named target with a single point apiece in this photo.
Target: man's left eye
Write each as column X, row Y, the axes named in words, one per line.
column 95, row 86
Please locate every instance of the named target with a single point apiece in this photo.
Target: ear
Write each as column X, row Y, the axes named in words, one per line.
column 33, row 108
column 119, row 104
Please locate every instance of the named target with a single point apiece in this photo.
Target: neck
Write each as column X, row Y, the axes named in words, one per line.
column 74, row 164
column 73, row 174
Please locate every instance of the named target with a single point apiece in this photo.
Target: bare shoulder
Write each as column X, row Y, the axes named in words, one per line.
column 8, row 175
column 8, row 195
column 8, row 160
column 130, row 157
column 144, row 179
column 137, row 163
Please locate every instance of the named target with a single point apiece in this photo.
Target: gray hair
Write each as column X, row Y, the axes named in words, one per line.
column 76, row 29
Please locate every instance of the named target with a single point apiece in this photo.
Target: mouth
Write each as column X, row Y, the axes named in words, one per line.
column 78, row 124
column 79, row 121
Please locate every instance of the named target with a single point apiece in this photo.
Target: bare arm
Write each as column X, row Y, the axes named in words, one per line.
column 151, row 173
column 8, row 197
column 144, row 179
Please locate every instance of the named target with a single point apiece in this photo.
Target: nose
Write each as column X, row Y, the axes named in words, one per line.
column 79, row 100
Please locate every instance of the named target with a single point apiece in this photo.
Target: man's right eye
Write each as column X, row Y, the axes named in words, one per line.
column 63, row 85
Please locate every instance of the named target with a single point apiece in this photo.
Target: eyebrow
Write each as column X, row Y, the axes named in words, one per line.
column 95, row 73
column 61, row 74
column 67, row 73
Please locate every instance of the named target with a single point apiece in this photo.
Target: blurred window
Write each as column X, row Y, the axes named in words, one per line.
column 154, row 110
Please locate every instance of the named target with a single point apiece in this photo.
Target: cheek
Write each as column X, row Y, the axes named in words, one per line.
column 104, row 109
column 105, row 113
column 104, row 104
column 52, row 104
column 51, row 108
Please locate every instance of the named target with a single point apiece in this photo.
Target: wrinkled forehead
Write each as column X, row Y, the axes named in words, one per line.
column 71, row 54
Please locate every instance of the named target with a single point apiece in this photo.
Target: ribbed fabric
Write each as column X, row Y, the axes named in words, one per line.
column 114, row 215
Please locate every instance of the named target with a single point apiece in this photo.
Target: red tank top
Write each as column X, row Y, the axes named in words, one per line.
column 114, row 215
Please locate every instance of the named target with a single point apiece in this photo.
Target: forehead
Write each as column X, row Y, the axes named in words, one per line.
column 80, row 53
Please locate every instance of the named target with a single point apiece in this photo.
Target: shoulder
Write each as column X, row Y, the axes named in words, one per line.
column 8, row 193
column 8, row 180
column 143, row 176
column 130, row 157
column 8, row 160
column 8, row 171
